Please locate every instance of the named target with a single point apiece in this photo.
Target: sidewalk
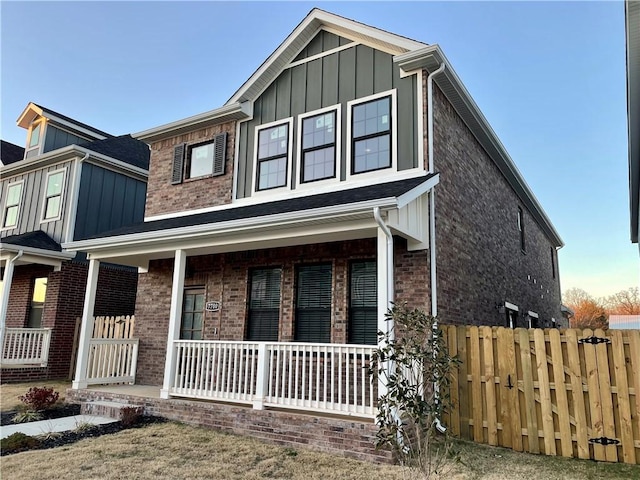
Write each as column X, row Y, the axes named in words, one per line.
column 55, row 425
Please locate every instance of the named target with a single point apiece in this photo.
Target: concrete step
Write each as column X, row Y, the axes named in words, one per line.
column 103, row 408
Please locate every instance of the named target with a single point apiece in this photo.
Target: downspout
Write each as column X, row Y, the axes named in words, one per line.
column 4, row 306
column 432, row 216
column 387, row 233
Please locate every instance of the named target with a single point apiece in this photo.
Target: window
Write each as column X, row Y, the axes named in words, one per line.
column 192, row 314
column 511, row 314
column 553, row 262
column 272, row 157
column 371, row 135
column 521, row 229
column 12, row 205
column 264, row 305
column 53, row 195
column 200, row 161
column 37, row 303
column 318, row 153
column 363, row 303
column 313, row 303
column 33, row 146
column 532, row 318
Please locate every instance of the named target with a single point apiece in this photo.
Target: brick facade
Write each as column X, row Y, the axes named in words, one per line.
column 336, row 435
column 225, row 279
column 202, row 192
column 64, row 301
column 479, row 261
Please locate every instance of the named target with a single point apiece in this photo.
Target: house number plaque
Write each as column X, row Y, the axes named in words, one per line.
column 212, row 306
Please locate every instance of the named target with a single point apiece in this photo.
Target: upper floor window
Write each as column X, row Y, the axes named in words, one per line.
column 35, row 136
column 200, row 160
column 318, row 152
column 521, row 229
column 272, row 157
column 12, row 205
column 371, row 135
column 53, row 195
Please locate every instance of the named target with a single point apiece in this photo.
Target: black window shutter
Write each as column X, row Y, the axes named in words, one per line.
column 220, row 153
column 178, row 163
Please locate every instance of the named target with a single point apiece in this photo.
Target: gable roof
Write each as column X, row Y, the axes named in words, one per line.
column 124, row 148
column 632, row 21
column 315, row 21
column 25, row 119
column 10, row 153
column 38, row 240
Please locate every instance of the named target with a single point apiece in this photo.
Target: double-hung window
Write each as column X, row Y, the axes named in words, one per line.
column 272, row 159
column 318, row 152
column 371, row 135
column 53, row 195
column 363, row 303
column 264, row 305
column 12, row 205
column 313, row 303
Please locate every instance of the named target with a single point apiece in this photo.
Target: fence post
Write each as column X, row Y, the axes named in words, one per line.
column 262, row 380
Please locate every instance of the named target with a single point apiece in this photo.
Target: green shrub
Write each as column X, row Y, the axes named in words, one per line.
column 18, row 441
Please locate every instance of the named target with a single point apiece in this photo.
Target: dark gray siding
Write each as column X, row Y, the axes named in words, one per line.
column 56, row 138
column 33, row 191
column 346, row 75
column 107, row 200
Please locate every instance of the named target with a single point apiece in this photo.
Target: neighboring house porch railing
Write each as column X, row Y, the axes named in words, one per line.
column 322, row 377
column 26, row 347
column 112, row 360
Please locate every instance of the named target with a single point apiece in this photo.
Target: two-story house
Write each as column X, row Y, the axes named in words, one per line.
column 71, row 181
column 352, row 170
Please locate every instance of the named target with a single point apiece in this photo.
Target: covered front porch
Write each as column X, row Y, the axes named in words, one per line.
column 196, row 293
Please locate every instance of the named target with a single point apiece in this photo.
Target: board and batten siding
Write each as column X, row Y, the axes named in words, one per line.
column 57, row 138
column 337, row 78
column 32, row 201
column 107, row 200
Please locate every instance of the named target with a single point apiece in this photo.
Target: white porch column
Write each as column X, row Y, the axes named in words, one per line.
column 4, row 300
column 175, row 314
column 385, row 289
column 86, row 328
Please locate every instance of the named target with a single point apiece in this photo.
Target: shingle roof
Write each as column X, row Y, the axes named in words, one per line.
column 124, row 148
column 37, row 239
column 342, row 197
column 71, row 120
column 10, row 153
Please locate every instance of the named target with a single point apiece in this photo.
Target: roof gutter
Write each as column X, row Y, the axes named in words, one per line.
column 22, row 250
column 431, row 58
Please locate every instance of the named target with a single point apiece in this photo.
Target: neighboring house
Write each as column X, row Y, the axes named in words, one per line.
column 71, row 181
column 624, row 322
column 280, row 226
column 632, row 18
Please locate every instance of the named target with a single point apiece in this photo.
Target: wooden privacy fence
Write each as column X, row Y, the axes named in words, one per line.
column 114, row 327
column 574, row 393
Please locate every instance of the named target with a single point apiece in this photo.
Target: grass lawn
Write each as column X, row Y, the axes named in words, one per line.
column 9, row 392
column 172, row 451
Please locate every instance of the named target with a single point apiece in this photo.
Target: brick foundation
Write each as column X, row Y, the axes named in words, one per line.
column 335, row 435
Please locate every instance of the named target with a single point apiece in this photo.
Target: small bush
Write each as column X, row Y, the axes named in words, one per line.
column 82, row 427
column 26, row 416
column 130, row 415
column 18, row 441
column 38, row 399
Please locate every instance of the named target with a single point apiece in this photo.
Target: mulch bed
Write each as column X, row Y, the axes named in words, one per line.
column 66, row 438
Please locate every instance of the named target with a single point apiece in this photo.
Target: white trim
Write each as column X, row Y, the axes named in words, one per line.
column 236, row 160
column 86, row 329
column 64, row 171
column 532, row 314
column 40, row 145
column 313, row 185
column 510, row 306
column 254, row 180
column 420, row 125
column 4, row 205
column 322, row 54
column 384, row 172
column 35, row 252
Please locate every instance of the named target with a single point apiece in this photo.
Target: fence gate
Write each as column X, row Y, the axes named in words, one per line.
column 574, row 393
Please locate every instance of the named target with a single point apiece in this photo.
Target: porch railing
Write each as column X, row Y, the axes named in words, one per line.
column 26, row 346
column 112, row 360
column 318, row 377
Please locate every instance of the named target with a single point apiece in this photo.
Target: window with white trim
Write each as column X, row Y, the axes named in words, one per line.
column 318, row 151
column 35, row 137
column 272, row 156
column 12, row 205
column 200, row 160
column 371, row 135
column 53, row 195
